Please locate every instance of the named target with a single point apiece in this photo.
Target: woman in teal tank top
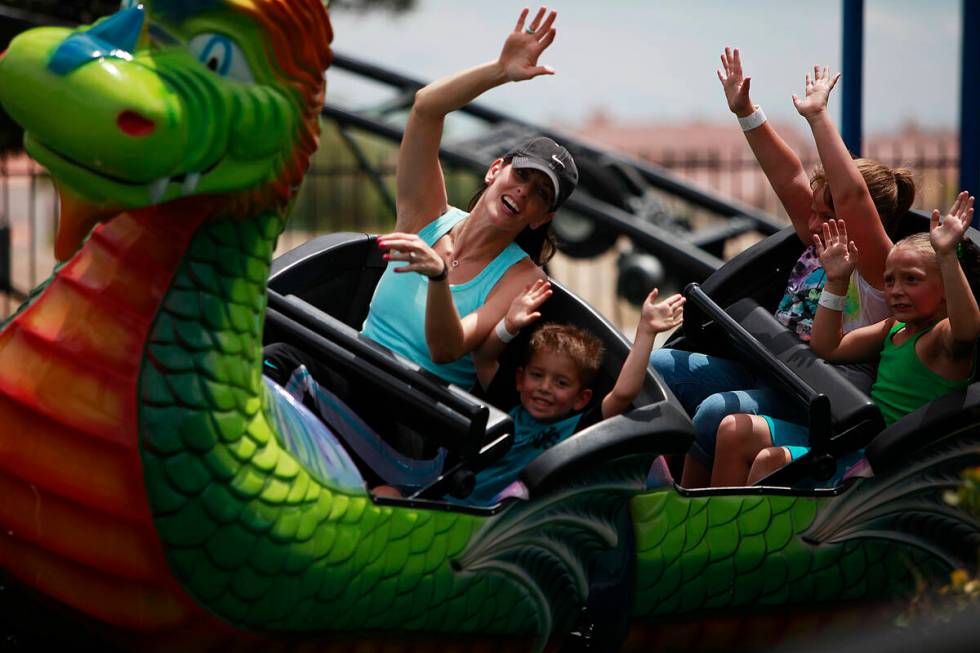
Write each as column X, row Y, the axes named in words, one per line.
column 927, row 349
column 457, row 272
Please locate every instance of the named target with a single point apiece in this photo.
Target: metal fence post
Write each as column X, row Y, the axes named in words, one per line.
column 970, row 103
column 852, row 69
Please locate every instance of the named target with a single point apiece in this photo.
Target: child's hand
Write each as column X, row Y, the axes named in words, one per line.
column 817, row 92
column 524, row 309
column 662, row 316
column 838, row 256
column 519, row 57
column 736, row 87
column 945, row 235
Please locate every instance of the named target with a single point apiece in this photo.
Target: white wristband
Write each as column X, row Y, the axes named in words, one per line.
column 753, row 120
column 502, row 332
column 832, row 301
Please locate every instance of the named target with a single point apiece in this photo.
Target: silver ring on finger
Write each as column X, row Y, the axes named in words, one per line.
column 411, row 256
column 530, row 30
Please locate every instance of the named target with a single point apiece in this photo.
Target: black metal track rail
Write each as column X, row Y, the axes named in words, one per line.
column 669, row 246
column 694, row 251
column 657, row 177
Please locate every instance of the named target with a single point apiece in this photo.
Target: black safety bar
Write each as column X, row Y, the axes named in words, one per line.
column 338, row 344
column 817, row 402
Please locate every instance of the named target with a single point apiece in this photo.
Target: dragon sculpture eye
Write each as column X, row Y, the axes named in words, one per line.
column 222, row 56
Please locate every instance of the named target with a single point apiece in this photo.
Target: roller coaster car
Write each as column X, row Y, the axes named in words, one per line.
column 319, row 295
column 733, row 311
column 318, row 299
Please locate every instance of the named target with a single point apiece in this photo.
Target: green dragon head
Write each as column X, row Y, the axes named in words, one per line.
column 195, row 97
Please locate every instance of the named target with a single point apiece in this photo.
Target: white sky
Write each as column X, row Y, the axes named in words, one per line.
column 655, row 60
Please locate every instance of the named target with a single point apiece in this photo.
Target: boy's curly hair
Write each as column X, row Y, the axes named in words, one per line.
column 583, row 347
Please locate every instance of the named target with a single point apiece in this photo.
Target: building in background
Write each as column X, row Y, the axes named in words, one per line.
column 716, row 156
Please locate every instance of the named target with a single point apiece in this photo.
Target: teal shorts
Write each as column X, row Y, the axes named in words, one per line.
column 795, row 438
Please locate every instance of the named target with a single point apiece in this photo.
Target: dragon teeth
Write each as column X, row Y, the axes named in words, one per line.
column 190, row 183
column 157, row 188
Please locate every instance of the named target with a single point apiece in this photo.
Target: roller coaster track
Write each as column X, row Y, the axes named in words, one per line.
column 617, row 195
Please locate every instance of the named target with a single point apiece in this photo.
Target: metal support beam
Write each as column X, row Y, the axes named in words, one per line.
column 852, row 68
column 970, row 103
column 372, row 171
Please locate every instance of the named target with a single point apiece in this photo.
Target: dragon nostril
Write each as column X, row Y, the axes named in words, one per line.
column 134, row 124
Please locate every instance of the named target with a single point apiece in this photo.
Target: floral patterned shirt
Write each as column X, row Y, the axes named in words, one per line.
column 798, row 306
column 864, row 304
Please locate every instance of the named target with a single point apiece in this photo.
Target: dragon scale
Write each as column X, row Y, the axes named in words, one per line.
column 247, row 529
column 747, row 550
column 146, row 485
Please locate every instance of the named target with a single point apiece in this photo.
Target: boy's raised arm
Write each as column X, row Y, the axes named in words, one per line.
column 523, row 312
column 654, row 319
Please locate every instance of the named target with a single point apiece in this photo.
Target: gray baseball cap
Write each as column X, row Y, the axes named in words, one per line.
column 542, row 153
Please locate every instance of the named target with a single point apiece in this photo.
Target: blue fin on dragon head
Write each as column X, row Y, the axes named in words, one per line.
column 221, row 92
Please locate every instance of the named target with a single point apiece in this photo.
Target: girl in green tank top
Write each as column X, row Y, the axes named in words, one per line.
column 927, row 349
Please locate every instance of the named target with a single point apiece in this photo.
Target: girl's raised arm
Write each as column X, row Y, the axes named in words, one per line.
column 852, row 200
column 780, row 164
column 421, row 189
column 838, row 256
column 961, row 306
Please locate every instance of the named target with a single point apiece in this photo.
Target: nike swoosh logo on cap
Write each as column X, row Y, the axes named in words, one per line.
column 558, row 161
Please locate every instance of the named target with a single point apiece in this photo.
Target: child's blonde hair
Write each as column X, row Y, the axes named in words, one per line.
column 892, row 189
column 584, row 348
column 967, row 253
column 920, row 243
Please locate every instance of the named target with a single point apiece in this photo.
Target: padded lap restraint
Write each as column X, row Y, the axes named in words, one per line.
column 851, row 409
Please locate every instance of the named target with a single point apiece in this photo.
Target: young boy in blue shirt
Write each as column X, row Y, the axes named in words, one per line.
column 554, row 380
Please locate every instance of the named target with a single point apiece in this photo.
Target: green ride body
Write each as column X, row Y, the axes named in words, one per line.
column 248, row 531
column 738, row 551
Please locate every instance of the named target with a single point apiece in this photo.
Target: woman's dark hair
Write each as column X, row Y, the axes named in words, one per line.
column 540, row 244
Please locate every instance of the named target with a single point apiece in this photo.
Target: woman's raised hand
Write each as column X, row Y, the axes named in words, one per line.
column 838, row 256
column 524, row 309
column 946, row 234
column 410, row 248
column 519, row 57
column 736, row 87
column 817, row 92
